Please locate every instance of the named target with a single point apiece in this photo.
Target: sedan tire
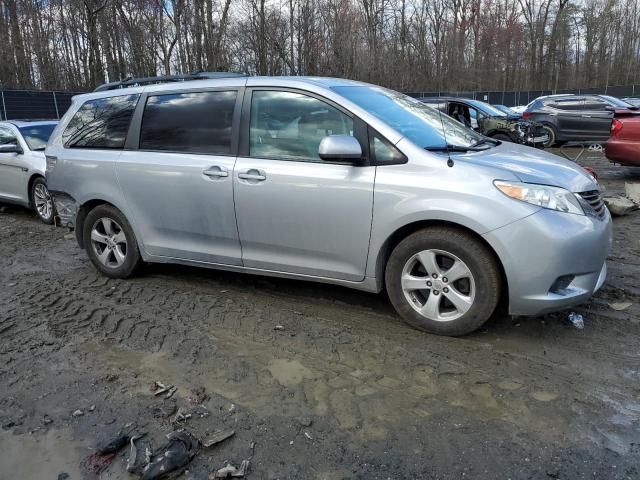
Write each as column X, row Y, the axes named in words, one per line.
column 443, row 280
column 41, row 201
column 110, row 242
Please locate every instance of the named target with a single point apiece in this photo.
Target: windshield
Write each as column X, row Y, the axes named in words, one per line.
column 487, row 109
column 616, row 102
column 37, row 136
column 423, row 125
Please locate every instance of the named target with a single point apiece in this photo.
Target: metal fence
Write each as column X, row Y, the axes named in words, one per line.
column 511, row 99
column 36, row 104
column 32, row 104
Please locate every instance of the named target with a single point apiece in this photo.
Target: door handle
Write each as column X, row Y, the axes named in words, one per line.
column 253, row 174
column 216, row 172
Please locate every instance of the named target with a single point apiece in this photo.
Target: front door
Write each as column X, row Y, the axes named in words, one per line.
column 596, row 119
column 178, row 184
column 13, row 170
column 297, row 213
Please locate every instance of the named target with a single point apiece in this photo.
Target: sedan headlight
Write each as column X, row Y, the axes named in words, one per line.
column 553, row 198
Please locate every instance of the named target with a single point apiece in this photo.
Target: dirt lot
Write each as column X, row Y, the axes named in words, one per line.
column 344, row 390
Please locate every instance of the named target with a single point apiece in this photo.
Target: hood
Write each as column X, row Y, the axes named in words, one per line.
column 532, row 165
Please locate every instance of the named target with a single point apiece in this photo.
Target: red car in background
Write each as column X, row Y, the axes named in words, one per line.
column 623, row 146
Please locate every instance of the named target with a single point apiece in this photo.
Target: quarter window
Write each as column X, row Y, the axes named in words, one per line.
column 290, row 126
column 101, row 123
column 198, row 122
column 383, row 152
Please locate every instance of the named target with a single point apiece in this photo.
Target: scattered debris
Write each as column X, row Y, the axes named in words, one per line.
column 70, row 236
column 46, row 420
column 172, row 457
column 619, row 206
column 620, row 305
column 159, row 388
column 133, row 453
column 278, row 327
column 217, row 438
column 181, row 416
column 308, row 435
column 232, row 408
column 78, row 413
column 198, row 396
column 92, row 408
column 229, row 471
column 576, row 320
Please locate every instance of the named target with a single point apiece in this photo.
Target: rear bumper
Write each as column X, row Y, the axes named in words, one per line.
column 540, row 251
column 625, row 152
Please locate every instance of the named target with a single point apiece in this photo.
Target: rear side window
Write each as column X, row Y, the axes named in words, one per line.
column 569, row 104
column 189, row 122
column 101, row 123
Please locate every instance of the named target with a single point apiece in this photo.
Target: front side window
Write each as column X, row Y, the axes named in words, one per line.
column 422, row 124
column 7, row 137
column 199, row 122
column 37, row 136
column 101, row 123
column 290, row 126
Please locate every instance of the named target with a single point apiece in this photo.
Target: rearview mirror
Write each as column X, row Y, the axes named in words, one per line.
column 340, row 148
column 10, row 148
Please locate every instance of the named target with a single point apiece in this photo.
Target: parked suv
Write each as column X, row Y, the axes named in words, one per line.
column 490, row 121
column 578, row 118
column 22, row 165
column 333, row 181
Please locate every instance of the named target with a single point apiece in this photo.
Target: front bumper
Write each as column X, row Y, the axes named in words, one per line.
column 541, row 250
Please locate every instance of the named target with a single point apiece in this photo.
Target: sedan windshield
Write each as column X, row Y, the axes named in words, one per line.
column 423, row 125
column 37, row 136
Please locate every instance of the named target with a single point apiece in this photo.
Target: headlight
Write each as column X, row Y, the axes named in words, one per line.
column 553, row 198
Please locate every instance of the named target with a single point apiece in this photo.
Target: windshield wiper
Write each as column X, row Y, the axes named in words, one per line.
column 485, row 141
column 454, row 148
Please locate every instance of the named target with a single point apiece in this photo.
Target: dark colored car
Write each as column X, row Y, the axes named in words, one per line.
column 576, row 118
column 624, row 144
column 490, row 121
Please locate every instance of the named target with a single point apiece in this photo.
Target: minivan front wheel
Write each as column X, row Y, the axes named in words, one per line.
column 110, row 242
column 443, row 281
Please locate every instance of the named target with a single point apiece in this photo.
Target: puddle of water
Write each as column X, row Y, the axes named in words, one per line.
column 39, row 456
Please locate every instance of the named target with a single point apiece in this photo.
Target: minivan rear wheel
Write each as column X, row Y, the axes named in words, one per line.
column 110, row 242
column 443, row 280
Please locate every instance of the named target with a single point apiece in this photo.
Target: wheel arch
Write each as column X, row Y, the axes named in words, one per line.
column 401, row 233
column 83, row 211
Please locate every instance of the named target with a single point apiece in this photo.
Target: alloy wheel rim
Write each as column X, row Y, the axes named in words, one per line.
column 109, row 242
column 43, row 202
column 438, row 285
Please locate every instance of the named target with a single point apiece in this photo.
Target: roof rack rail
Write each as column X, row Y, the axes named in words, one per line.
column 132, row 82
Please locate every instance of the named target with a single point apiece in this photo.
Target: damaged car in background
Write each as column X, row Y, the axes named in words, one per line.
column 491, row 121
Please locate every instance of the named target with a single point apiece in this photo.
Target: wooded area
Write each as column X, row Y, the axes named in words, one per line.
column 403, row 44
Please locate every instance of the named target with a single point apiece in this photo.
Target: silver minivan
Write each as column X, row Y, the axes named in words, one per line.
column 333, row 181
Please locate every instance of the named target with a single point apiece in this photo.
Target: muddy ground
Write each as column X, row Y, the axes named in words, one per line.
column 344, row 390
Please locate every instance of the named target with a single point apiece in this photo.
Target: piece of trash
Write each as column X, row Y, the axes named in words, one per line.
column 229, row 471
column 576, row 320
column 133, row 453
column 217, row 438
column 620, row 305
column 232, row 407
column 158, row 388
column 78, row 413
column 69, row 236
column 278, row 327
column 198, row 396
column 172, row 457
column 181, row 416
column 171, row 391
column 308, row 435
column 619, row 206
column 92, row 408
column 291, row 442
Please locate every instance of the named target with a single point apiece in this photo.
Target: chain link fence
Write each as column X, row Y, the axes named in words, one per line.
column 36, row 104
column 512, row 99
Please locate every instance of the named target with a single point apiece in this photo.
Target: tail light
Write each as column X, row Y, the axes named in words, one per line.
column 616, row 127
column 526, row 114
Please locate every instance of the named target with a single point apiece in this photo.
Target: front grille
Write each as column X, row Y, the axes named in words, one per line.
column 594, row 199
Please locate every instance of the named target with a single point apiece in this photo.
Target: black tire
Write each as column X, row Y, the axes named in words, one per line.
column 503, row 137
column 131, row 262
column 480, row 262
column 46, row 213
column 553, row 136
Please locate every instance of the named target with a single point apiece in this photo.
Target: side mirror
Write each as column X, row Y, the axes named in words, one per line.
column 340, row 148
column 10, row 148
